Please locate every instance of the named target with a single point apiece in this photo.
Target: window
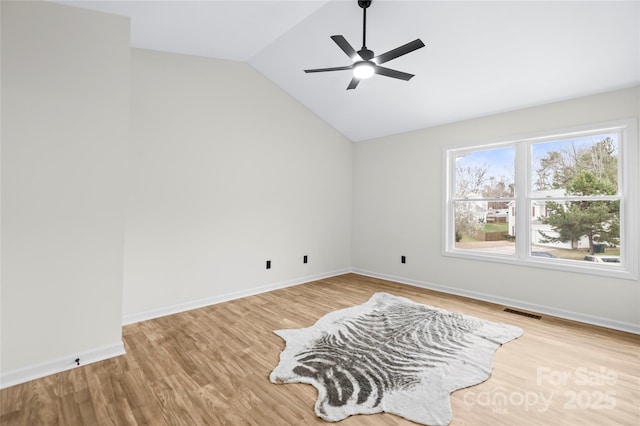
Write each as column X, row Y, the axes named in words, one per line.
column 566, row 200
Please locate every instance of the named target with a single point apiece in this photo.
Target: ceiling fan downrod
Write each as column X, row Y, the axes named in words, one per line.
column 364, row 4
column 364, row 52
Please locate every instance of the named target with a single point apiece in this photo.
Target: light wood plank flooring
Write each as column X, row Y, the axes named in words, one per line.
column 210, row 366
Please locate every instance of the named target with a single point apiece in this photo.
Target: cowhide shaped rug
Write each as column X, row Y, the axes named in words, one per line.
column 391, row 355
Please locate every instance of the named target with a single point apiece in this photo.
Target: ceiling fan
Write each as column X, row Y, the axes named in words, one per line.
column 365, row 63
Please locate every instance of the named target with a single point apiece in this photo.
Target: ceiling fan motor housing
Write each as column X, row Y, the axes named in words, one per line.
column 365, row 54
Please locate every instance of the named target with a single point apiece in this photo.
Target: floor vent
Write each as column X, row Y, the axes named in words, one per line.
column 524, row 314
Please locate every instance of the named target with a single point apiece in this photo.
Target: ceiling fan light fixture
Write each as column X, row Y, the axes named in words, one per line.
column 363, row 70
column 364, row 62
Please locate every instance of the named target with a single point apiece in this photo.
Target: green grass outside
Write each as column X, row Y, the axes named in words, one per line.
column 561, row 253
column 495, row 227
column 487, row 227
column 581, row 253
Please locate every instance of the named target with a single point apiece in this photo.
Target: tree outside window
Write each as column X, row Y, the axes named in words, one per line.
column 585, row 170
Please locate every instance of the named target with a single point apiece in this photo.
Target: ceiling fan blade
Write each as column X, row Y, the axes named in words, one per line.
column 387, row 72
column 347, row 67
column 353, row 84
column 399, row 51
column 345, row 46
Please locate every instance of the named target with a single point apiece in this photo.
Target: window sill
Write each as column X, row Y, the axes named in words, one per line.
column 618, row 271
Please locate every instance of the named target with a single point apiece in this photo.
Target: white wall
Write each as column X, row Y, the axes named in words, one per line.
column 65, row 108
column 226, row 172
column 397, row 210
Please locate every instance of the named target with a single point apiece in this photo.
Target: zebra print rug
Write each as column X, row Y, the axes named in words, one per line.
column 391, row 355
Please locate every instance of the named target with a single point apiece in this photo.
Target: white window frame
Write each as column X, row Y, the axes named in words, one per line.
column 627, row 186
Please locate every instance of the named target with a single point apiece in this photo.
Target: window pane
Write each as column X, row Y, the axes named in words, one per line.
column 586, row 165
column 576, row 230
column 480, row 227
column 485, row 173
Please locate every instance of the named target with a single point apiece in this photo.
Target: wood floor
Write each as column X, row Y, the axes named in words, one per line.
column 210, row 366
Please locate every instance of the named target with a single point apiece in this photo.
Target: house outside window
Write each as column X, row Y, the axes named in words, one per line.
column 579, row 187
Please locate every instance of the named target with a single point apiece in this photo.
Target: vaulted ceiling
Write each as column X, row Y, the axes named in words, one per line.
column 480, row 58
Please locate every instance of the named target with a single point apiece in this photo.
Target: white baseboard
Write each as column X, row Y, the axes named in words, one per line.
column 59, row 365
column 560, row 313
column 182, row 307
